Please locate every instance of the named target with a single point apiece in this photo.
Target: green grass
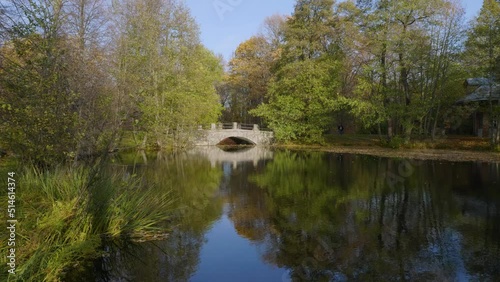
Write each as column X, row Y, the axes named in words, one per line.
column 65, row 214
column 417, row 142
column 352, row 140
column 452, row 143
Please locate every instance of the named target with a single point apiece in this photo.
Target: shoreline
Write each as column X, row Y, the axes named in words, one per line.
column 453, row 155
column 419, row 154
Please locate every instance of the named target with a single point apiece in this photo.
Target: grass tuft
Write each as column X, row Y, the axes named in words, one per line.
column 65, row 214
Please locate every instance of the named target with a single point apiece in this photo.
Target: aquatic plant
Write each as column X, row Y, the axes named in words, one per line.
column 65, row 214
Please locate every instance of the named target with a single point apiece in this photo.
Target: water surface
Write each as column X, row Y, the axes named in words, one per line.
column 258, row 215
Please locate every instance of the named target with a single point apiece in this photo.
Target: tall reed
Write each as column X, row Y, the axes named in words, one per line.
column 65, row 214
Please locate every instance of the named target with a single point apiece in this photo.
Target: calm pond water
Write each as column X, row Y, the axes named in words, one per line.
column 256, row 215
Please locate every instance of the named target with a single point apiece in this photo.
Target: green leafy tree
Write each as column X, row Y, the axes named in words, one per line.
column 407, row 50
column 37, row 106
column 302, row 92
column 57, row 95
column 483, row 54
column 100, row 110
column 168, row 76
column 309, row 32
column 300, row 101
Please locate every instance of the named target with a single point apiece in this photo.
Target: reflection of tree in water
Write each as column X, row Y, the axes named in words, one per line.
column 195, row 185
column 480, row 208
column 246, row 202
column 172, row 259
column 329, row 217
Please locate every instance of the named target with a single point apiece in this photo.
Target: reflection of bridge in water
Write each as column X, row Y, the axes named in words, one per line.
column 218, row 156
column 236, row 133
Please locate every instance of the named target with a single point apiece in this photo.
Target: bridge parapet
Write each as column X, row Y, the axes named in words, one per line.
column 234, row 125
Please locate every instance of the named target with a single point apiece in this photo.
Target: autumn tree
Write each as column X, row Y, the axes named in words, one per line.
column 302, row 91
column 248, row 77
column 57, row 93
column 37, row 106
column 162, row 67
column 273, row 31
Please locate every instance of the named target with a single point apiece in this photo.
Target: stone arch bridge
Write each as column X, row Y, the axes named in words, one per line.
column 238, row 133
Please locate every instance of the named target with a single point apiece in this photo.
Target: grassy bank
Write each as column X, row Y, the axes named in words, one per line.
column 465, row 143
column 469, row 143
column 453, row 148
column 64, row 216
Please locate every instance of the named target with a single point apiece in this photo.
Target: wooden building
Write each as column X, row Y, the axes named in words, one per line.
column 479, row 92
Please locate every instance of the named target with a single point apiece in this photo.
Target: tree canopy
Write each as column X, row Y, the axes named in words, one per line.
column 76, row 75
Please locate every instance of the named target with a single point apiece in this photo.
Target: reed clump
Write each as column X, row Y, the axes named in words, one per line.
column 66, row 213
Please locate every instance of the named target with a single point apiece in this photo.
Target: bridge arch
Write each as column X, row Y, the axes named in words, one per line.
column 236, row 140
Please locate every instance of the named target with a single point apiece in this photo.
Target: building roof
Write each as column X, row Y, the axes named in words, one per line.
column 477, row 81
column 482, row 93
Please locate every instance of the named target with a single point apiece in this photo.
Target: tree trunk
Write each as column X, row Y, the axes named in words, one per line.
column 384, row 89
column 379, row 131
column 390, row 130
column 498, row 133
column 406, row 90
column 495, row 134
column 434, row 126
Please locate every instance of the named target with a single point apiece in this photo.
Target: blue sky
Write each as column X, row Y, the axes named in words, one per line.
column 224, row 24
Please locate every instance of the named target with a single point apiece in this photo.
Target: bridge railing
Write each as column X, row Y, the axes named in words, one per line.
column 247, row 126
column 226, row 125
column 233, row 125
